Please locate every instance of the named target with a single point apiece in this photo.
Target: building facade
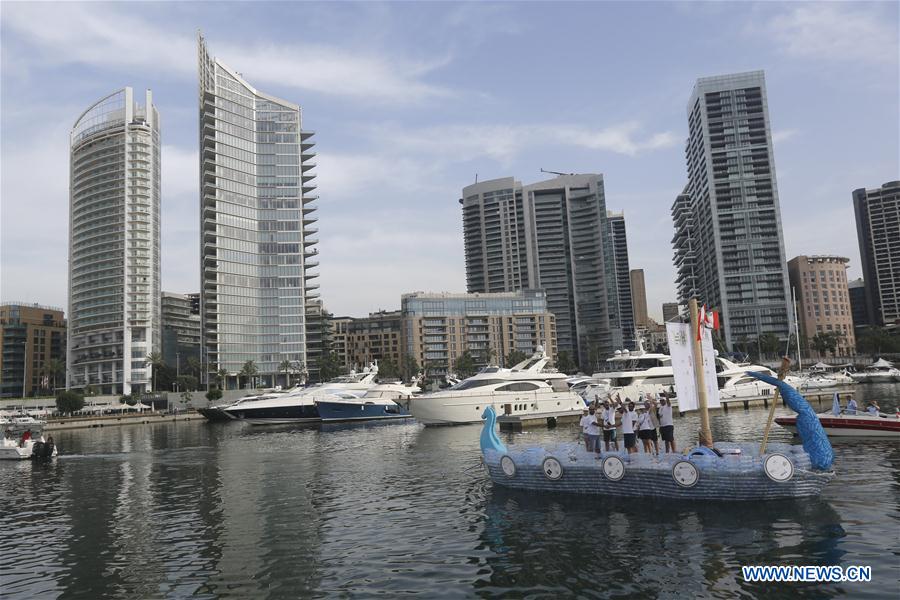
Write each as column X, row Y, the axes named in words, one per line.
column 729, row 245
column 437, row 328
column 180, row 331
column 114, row 245
column 624, row 296
column 823, row 299
column 858, row 305
column 670, row 311
column 337, row 327
column 32, row 349
column 258, row 235
column 553, row 235
column 878, row 231
column 639, row 299
column 374, row 338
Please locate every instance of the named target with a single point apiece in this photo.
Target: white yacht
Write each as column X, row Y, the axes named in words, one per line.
column 632, row 374
column 382, row 402
column 525, row 388
column 840, row 374
column 299, row 405
column 218, row 412
column 881, row 371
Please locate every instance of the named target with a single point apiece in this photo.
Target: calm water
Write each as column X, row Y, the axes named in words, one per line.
column 213, row 511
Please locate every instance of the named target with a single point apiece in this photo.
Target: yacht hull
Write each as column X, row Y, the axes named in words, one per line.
column 276, row 415
column 857, row 426
column 332, row 412
column 449, row 410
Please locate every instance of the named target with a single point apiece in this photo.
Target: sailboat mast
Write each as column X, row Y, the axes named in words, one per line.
column 797, row 330
column 705, row 432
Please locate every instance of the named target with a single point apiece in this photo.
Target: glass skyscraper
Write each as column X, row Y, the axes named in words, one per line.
column 257, row 216
column 114, row 290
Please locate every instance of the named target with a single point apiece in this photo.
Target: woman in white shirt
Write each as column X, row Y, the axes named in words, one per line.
column 645, row 427
column 629, row 418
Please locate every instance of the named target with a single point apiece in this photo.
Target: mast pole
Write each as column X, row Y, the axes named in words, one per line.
column 797, row 330
column 705, row 433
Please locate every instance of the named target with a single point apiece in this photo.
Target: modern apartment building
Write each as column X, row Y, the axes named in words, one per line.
column 374, row 338
column 32, row 340
column 114, row 293
column 878, row 230
column 858, row 304
column 437, row 328
column 670, row 311
column 639, row 299
column 625, row 299
column 552, row 235
column 180, row 331
column 728, row 244
column 258, row 235
column 337, row 334
column 823, row 299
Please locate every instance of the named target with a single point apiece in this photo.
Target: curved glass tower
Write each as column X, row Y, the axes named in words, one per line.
column 257, row 241
column 114, row 291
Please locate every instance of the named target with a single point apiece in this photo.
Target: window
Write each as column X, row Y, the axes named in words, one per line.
column 519, row 386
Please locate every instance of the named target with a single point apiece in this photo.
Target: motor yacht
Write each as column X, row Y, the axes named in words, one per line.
column 384, row 401
column 299, row 405
column 881, row 371
column 638, row 373
column 218, row 413
column 839, row 374
column 527, row 387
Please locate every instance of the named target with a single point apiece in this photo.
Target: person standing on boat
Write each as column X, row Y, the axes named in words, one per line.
column 629, row 418
column 645, row 427
column 591, row 430
column 666, row 424
column 851, row 406
column 608, row 414
column 654, row 433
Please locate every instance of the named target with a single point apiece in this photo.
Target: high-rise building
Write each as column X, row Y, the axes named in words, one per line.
column 553, row 235
column 180, row 331
column 858, row 306
column 639, row 299
column 670, row 311
column 878, row 230
column 823, row 300
column 114, row 218
column 624, row 298
column 32, row 349
column 437, row 328
column 258, row 235
column 729, row 244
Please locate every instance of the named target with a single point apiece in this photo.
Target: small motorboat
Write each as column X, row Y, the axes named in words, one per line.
column 861, row 424
column 11, row 449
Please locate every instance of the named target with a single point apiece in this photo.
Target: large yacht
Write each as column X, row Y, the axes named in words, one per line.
column 525, row 388
column 299, row 405
column 218, row 413
column 632, row 374
column 881, row 371
column 383, row 402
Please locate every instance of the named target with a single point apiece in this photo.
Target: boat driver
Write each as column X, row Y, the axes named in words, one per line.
column 873, row 408
column 851, row 407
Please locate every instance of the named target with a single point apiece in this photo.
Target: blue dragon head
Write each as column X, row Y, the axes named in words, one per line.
column 489, row 438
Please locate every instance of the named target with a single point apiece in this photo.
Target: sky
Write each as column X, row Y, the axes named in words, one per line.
column 411, row 102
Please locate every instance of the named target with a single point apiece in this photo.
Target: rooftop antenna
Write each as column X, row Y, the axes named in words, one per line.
column 476, row 177
column 555, row 172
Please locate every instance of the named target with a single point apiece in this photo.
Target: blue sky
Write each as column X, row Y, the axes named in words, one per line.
column 410, row 101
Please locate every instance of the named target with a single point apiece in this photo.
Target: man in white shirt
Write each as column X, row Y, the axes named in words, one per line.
column 666, row 424
column 608, row 414
column 591, row 431
column 585, row 419
column 629, row 418
column 645, row 427
column 851, row 407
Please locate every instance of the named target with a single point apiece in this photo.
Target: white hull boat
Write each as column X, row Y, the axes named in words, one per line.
column 860, row 425
column 33, row 448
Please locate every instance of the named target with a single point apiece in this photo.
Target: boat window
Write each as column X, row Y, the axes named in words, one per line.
column 474, row 383
column 519, row 386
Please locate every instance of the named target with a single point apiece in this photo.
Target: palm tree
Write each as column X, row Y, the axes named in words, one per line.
column 248, row 370
column 52, row 368
column 194, row 366
column 154, row 360
column 221, row 374
column 285, row 367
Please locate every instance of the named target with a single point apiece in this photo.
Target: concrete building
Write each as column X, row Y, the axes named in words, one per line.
column 376, row 337
column 624, row 297
column 858, row 305
column 878, row 231
column 729, row 245
column 437, row 328
column 823, row 299
column 114, row 293
column 338, row 339
column 32, row 337
column 670, row 311
column 257, row 235
column 180, row 331
column 552, row 235
column 639, row 299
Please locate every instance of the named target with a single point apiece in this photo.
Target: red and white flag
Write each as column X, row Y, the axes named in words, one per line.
column 707, row 318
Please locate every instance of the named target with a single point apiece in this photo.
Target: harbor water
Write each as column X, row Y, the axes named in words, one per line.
column 231, row 511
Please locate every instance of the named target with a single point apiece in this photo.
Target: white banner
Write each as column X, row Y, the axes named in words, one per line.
column 681, row 350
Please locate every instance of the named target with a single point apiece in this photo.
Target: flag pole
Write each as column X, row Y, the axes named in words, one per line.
column 705, row 432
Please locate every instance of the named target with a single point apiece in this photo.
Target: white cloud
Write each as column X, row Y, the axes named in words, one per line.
column 783, row 135
column 98, row 35
column 828, row 30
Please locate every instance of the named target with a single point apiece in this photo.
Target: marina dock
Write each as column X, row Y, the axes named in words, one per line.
column 122, row 419
column 815, row 399
column 542, row 419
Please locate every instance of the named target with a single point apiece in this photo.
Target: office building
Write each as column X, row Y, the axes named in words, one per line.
column 114, row 293
column 823, row 299
column 257, row 301
column 639, row 299
column 437, row 328
column 878, row 231
column 729, row 247
column 180, row 331
column 625, row 300
column 858, row 305
column 670, row 311
column 32, row 349
column 553, row 235
column 374, row 338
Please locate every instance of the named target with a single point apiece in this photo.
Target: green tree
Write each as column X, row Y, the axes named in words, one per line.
column 564, row 362
column 154, row 360
column 515, row 357
column 820, row 343
column 68, row 402
column 194, row 366
column 52, row 369
column 769, row 344
column 187, row 383
column 248, row 371
column 214, row 393
column 185, row 399
column 877, row 341
column 299, row 369
column 387, row 369
column 286, row 367
column 329, row 366
column 221, row 377
column 410, row 367
column 464, row 366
